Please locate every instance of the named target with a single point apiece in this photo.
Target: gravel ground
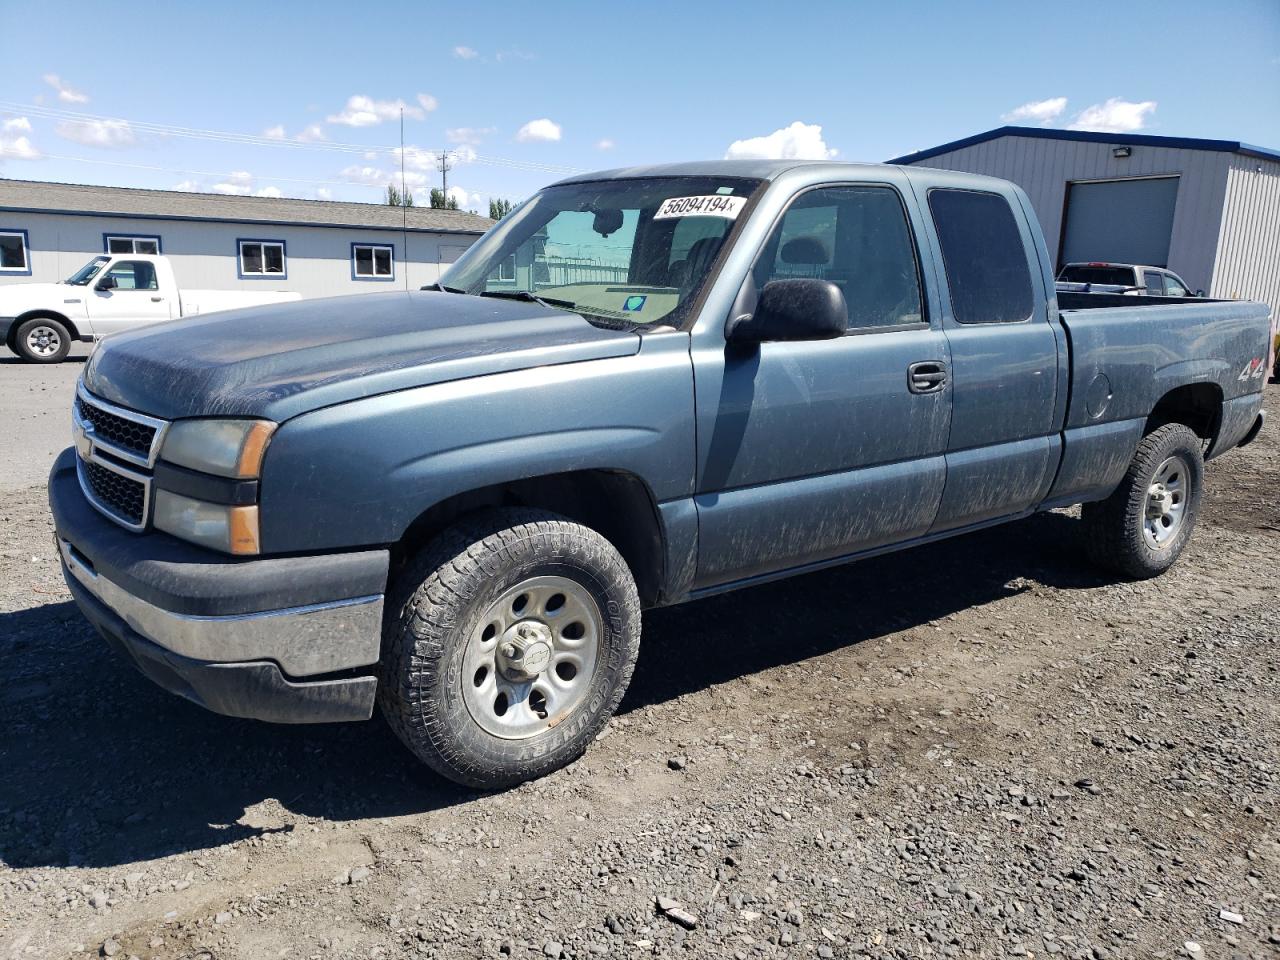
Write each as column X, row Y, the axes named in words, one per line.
column 981, row 748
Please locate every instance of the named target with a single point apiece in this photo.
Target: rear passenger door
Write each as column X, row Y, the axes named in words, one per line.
column 1004, row 444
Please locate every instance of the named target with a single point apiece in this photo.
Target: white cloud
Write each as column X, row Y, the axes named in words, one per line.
column 324, row 193
column 362, row 111
column 415, row 158
column 65, row 93
column 97, row 133
column 605, row 144
column 377, row 177
column 504, row 55
column 1114, row 116
column 463, row 154
column 238, row 184
column 310, row 134
column 465, row 53
column 14, row 142
column 1043, row 112
column 466, row 201
column 471, row 135
column 188, row 186
column 269, row 192
column 539, row 131
column 800, row 141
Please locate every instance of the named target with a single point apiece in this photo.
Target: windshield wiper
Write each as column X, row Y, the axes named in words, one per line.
column 550, row 302
column 442, row 287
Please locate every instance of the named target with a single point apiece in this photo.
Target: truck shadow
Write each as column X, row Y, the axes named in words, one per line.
column 103, row 769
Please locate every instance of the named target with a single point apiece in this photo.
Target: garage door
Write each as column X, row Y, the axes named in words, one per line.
column 1123, row 221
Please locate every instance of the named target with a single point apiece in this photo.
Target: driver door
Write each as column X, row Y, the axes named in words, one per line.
column 128, row 295
column 815, row 450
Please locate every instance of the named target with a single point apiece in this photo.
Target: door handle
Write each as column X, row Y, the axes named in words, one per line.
column 927, row 376
column 157, row 299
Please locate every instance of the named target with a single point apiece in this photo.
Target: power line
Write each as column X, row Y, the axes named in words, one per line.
column 225, row 136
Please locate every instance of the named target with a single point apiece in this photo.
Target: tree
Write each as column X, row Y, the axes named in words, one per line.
column 440, row 202
column 499, row 208
column 395, row 200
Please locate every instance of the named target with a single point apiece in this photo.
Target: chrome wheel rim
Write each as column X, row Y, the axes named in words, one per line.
column 531, row 658
column 1166, row 502
column 43, row 341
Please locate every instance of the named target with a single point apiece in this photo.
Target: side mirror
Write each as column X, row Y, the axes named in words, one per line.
column 799, row 309
column 107, row 283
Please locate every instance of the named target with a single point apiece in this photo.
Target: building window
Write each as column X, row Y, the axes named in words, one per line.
column 373, row 261
column 119, row 243
column 262, row 259
column 15, row 258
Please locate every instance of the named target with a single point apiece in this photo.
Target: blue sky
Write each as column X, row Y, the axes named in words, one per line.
column 302, row 99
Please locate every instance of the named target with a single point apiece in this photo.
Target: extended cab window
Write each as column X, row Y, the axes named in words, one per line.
column 857, row 238
column 134, row 275
column 982, row 252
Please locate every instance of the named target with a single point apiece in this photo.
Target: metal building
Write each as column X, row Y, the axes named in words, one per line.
column 1207, row 209
column 318, row 248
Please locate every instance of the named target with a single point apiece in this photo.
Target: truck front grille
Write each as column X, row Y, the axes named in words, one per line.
column 119, row 496
column 117, row 450
column 130, row 435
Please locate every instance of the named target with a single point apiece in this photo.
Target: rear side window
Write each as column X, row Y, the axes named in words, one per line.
column 983, row 254
column 1155, row 286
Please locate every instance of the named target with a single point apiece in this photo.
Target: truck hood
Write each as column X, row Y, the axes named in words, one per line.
column 281, row 360
column 18, row 298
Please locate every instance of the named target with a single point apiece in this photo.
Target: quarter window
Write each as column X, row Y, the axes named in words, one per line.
column 262, row 258
column 372, row 261
column 1155, row 287
column 14, row 256
column 985, row 260
column 857, row 238
column 129, row 244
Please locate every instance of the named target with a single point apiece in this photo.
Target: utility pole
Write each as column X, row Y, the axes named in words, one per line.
column 444, row 166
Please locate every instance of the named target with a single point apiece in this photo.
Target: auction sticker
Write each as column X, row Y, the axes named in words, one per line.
column 709, row 206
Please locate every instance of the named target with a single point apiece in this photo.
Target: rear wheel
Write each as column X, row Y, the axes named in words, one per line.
column 509, row 643
column 42, row 340
column 1143, row 527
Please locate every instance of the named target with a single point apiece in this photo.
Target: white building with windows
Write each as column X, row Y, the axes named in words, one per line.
column 318, row 248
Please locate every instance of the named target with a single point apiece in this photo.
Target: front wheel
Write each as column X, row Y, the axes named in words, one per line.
column 1142, row 528
column 509, row 642
column 42, row 340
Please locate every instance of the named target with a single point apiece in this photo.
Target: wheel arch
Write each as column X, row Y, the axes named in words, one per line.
column 42, row 314
column 616, row 504
column 1197, row 405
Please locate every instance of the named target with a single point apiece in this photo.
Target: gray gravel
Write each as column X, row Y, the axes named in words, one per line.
column 983, row 749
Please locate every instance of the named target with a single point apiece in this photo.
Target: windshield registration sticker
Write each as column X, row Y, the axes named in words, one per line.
column 709, row 206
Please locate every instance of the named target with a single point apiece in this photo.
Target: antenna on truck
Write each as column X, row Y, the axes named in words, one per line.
column 404, row 207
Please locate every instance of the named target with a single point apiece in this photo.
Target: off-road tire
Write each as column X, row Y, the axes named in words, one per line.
column 22, row 349
column 436, row 604
column 1113, row 528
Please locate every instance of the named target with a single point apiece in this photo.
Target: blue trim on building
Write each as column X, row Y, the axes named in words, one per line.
column 131, row 236
column 248, row 222
column 1087, row 136
column 374, row 246
column 284, row 260
column 26, row 254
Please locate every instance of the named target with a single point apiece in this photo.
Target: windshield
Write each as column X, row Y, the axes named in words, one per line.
column 1089, row 273
column 634, row 251
column 88, row 271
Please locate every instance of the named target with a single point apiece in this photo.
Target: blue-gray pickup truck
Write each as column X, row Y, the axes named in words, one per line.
column 639, row 388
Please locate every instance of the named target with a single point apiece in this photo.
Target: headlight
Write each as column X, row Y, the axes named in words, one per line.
column 214, row 525
column 227, row 448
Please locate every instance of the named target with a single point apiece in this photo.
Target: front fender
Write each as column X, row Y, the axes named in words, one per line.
column 360, row 473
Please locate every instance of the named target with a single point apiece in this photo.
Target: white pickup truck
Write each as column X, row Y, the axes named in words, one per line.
column 38, row 321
